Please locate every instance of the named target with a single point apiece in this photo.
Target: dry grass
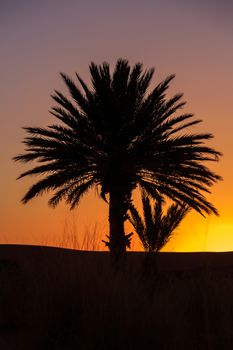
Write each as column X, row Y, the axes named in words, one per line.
column 90, row 240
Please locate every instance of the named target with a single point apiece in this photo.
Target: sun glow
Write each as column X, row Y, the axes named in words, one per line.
column 220, row 237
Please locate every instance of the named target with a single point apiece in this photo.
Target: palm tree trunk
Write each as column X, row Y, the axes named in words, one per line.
column 117, row 211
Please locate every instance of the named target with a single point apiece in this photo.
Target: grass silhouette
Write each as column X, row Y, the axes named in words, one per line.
column 89, row 240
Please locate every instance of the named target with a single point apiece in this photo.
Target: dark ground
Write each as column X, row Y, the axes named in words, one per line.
column 53, row 298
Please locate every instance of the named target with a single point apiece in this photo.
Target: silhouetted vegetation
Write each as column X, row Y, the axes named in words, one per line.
column 155, row 228
column 116, row 135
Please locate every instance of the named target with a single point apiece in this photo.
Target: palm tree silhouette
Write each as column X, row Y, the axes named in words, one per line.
column 117, row 136
column 155, row 228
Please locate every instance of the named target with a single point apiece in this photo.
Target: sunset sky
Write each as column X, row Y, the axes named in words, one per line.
column 39, row 39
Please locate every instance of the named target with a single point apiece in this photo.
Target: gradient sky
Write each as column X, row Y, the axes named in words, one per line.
column 39, row 39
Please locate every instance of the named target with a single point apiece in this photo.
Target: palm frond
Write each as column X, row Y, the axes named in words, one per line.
column 50, row 182
column 137, row 222
column 120, row 77
column 75, row 93
column 157, row 228
column 148, row 218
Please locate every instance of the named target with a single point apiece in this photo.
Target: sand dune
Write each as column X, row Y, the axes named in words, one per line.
column 53, row 298
column 26, row 255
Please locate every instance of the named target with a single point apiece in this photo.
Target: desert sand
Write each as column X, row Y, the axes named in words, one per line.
column 54, row 298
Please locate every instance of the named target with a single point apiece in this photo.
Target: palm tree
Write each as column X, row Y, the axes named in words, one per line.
column 117, row 136
column 156, row 228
